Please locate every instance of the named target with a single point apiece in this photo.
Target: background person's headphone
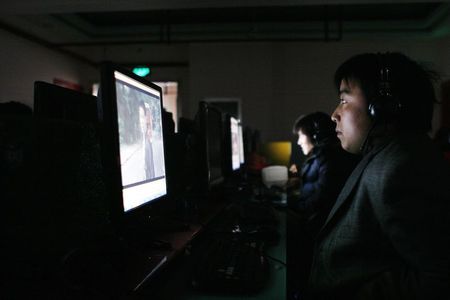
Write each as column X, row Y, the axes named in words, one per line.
column 323, row 127
column 316, row 131
column 384, row 105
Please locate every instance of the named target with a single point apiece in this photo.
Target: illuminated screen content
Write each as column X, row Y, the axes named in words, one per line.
column 235, row 157
column 141, row 142
column 241, row 145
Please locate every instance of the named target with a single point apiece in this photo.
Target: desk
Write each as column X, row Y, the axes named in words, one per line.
column 174, row 282
column 85, row 277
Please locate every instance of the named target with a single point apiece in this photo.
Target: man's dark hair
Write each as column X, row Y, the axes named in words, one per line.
column 317, row 126
column 410, row 83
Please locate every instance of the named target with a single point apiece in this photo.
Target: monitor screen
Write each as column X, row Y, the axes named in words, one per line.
column 241, row 144
column 235, row 145
column 132, row 113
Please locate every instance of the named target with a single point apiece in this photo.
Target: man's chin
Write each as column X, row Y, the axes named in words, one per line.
column 345, row 146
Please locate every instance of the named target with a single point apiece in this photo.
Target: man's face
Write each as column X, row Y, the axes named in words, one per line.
column 351, row 117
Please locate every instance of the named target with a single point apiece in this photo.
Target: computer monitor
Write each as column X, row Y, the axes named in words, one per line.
column 56, row 102
column 133, row 148
column 67, row 202
column 233, row 147
column 211, row 143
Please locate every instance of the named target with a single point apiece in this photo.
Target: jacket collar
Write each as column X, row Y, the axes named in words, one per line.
column 351, row 183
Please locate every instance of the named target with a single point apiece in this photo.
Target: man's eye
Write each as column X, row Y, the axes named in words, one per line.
column 342, row 101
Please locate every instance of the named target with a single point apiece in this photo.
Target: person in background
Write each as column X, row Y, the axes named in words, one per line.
column 16, row 186
column 15, row 144
column 324, row 170
column 146, row 126
column 149, row 162
column 388, row 234
column 322, row 175
column 297, row 157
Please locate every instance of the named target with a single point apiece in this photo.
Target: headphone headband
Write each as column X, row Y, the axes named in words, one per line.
column 384, row 105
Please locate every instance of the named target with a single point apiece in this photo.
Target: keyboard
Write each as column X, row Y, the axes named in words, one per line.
column 231, row 266
column 111, row 268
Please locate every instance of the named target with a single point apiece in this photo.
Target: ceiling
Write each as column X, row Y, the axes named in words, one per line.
column 65, row 25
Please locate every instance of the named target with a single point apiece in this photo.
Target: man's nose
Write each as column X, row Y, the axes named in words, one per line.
column 335, row 116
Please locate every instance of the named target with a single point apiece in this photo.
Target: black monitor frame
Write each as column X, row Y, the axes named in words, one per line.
column 66, row 172
column 211, row 163
column 55, row 102
column 108, row 118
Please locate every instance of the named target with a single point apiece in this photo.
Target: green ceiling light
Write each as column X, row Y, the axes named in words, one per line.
column 141, row 71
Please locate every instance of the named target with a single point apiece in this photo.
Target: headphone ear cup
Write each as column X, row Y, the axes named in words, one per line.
column 373, row 110
column 383, row 107
column 316, row 134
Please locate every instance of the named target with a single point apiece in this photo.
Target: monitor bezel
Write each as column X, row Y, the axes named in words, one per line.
column 205, row 109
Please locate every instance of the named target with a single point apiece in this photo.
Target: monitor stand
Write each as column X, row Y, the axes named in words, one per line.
column 148, row 232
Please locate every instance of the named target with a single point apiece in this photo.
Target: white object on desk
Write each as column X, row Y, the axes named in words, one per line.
column 275, row 175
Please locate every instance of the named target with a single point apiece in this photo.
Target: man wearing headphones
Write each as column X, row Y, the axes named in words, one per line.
column 388, row 234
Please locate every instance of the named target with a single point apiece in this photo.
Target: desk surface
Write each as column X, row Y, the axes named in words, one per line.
column 175, row 282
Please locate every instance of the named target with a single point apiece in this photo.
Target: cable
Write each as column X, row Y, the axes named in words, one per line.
column 275, row 259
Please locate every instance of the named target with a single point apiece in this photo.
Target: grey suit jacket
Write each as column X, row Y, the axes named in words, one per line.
column 388, row 235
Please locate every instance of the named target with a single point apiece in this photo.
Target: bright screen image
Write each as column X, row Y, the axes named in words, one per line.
column 141, row 142
column 235, row 157
column 241, row 146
